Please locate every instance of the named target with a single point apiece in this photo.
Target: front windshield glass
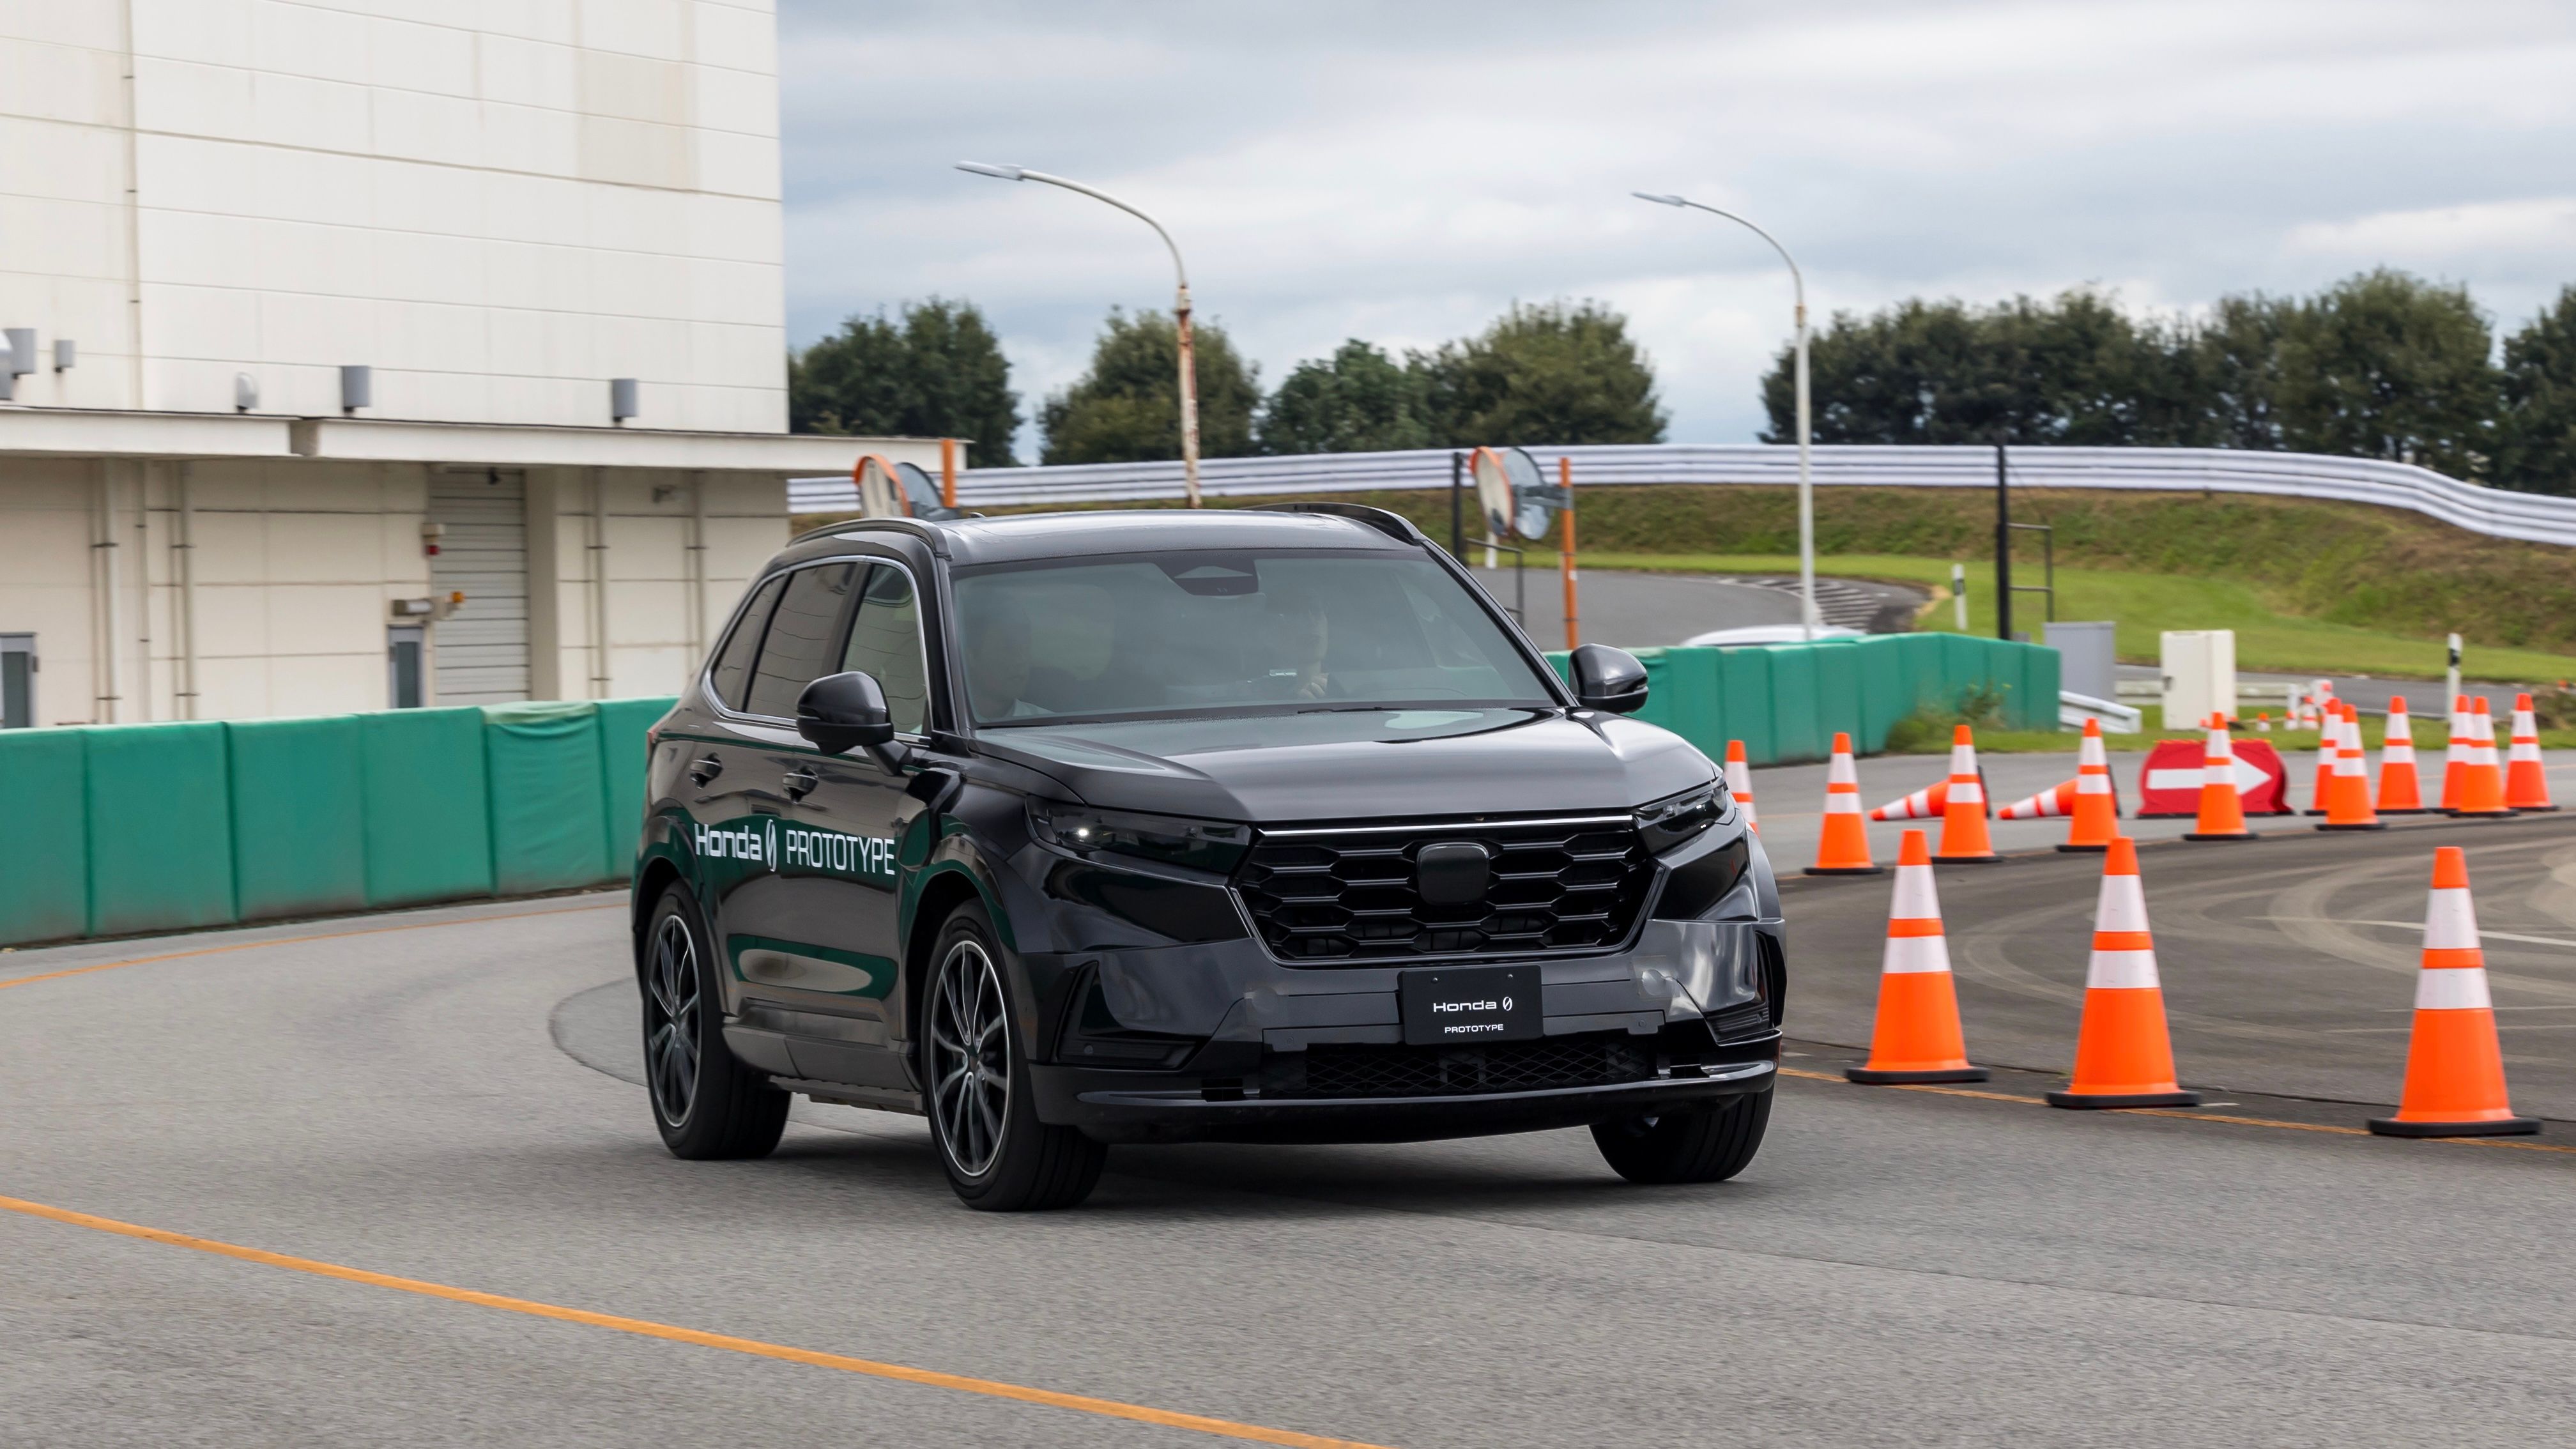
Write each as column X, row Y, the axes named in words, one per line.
column 1199, row 632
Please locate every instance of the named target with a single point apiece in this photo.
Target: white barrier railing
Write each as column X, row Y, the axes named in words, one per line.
column 2533, row 517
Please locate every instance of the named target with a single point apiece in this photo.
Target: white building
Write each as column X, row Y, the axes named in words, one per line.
column 317, row 310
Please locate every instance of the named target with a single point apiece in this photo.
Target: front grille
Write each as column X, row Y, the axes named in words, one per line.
column 1351, row 897
column 1523, row 1066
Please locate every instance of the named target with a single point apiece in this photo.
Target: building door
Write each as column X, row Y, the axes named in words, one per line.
column 17, row 681
column 402, row 665
column 482, row 654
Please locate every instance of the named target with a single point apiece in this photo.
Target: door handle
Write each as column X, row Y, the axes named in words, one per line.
column 706, row 769
column 800, row 783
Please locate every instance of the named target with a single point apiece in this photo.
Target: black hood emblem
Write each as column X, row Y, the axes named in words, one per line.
column 1453, row 873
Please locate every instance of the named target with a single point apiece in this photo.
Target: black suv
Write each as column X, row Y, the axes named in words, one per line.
column 1248, row 825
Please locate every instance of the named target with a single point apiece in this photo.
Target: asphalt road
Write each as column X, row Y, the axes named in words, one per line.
column 388, row 1095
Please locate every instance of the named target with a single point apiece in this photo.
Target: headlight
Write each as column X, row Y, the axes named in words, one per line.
column 1676, row 819
column 1209, row 845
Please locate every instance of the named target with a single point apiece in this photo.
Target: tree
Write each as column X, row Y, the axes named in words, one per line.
column 1127, row 408
column 1559, row 373
column 2386, row 365
column 2537, row 444
column 936, row 372
column 2235, row 368
column 1359, row 400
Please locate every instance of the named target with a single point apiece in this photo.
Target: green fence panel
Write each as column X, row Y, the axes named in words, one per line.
column 44, row 888
column 1919, row 658
column 1838, row 692
column 2033, row 706
column 623, row 756
column 428, row 828
column 1744, row 682
column 159, row 806
column 549, row 823
column 1878, row 665
column 299, row 816
column 1797, row 731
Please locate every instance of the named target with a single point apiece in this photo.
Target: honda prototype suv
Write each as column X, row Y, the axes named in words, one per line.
column 1247, row 825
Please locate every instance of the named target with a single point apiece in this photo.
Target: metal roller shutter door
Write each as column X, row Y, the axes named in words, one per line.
column 482, row 649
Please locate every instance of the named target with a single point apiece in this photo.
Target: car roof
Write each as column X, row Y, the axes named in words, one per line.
column 1015, row 537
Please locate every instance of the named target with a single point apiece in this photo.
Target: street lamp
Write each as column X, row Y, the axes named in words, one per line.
column 1808, row 618
column 1180, row 307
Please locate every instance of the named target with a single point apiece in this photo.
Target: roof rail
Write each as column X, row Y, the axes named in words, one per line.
column 1394, row 525
column 937, row 540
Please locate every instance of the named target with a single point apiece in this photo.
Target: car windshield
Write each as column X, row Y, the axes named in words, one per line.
column 1197, row 632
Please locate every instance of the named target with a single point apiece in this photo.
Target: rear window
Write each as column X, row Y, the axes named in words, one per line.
column 801, row 643
column 733, row 660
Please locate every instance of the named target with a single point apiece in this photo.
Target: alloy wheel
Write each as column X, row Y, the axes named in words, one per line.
column 671, row 1022
column 970, row 1058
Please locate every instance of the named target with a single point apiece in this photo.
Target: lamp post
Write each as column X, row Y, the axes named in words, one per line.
column 1180, row 307
column 1808, row 618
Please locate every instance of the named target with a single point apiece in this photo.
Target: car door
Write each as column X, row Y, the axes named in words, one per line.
column 842, row 836
column 732, row 809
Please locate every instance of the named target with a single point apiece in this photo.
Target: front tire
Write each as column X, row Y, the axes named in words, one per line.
column 975, row 1076
column 1711, row 1144
column 707, row 1104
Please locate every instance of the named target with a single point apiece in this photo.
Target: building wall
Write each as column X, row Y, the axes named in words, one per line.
column 498, row 207
column 250, row 589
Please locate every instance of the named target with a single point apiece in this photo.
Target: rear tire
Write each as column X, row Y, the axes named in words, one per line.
column 999, row 1157
column 1711, row 1144
column 708, row 1105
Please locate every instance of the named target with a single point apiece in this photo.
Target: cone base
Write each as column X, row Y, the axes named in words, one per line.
column 2408, row 810
column 2533, row 809
column 2499, row 1127
column 1846, row 870
column 1989, row 858
column 2083, row 849
column 2355, row 825
column 1869, row 1077
column 2479, row 814
column 2123, row 1099
column 2216, row 835
column 2312, row 812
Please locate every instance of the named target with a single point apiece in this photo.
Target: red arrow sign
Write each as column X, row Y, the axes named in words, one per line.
column 2169, row 786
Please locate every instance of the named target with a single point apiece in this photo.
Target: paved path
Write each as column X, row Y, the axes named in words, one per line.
column 388, row 1095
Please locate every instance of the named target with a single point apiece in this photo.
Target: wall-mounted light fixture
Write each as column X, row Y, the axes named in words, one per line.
column 66, row 352
column 357, row 388
column 621, row 399
column 245, row 392
column 22, row 351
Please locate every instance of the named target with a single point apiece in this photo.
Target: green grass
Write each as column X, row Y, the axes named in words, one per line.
column 2143, row 605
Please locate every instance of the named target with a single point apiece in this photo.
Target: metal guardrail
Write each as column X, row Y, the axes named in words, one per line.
column 2532, row 517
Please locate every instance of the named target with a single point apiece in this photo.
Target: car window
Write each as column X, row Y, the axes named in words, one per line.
column 885, row 641
column 733, row 661
column 798, row 647
column 1192, row 631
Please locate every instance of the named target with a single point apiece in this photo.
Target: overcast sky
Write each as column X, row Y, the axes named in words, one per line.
column 1401, row 172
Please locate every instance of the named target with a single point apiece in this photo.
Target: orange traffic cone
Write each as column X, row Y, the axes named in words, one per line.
column 1917, row 1037
column 2348, row 792
column 2454, row 1068
column 2048, row 804
column 2097, row 804
column 1963, row 814
column 1739, row 783
column 2400, row 793
column 2123, row 1055
column 2526, row 779
column 2481, row 773
column 2455, row 753
column 1844, row 847
column 2222, row 810
column 2329, row 742
column 1924, row 804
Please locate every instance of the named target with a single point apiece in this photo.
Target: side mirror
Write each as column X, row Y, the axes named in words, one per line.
column 839, row 713
column 1607, row 679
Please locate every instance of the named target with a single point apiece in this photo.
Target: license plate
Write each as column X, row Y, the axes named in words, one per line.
column 1469, row 1004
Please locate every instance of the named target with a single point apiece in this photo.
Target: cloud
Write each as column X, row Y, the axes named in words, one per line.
column 1404, row 172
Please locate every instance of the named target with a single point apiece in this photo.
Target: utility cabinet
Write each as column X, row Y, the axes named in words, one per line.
column 2199, row 675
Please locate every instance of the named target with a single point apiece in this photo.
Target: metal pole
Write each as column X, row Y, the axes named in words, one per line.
column 1959, row 596
column 1180, row 306
column 2451, row 680
column 948, row 472
column 2003, row 546
column 1565, row 554
column 1808, row 617
column 1457, row 515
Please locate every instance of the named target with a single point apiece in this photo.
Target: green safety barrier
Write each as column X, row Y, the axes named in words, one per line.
column 130, row 828
column 1788, row 701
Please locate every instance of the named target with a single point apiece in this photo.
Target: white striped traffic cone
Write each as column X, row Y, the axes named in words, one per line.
column 2454, row 1065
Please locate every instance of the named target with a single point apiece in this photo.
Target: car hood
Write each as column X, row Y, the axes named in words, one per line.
column 1378, row 763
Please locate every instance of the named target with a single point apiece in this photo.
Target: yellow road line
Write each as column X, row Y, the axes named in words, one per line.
column 2272, row 1122
column 646, row 1328
column 298, row 940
